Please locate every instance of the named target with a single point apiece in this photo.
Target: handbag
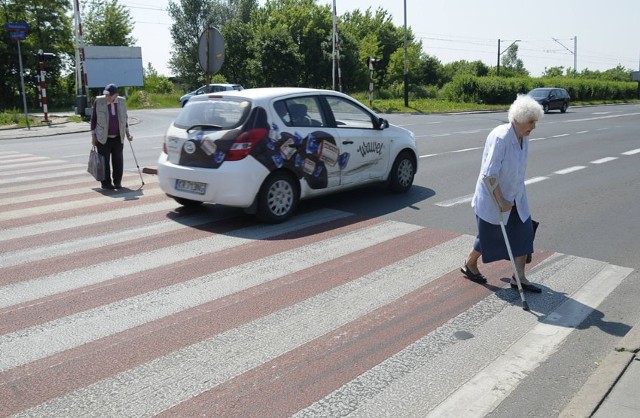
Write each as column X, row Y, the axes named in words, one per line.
column 96, row 164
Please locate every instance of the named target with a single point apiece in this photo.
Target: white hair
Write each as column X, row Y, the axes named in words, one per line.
column 525, row 109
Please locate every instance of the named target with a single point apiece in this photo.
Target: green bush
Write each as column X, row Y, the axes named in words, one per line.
column 500, row 90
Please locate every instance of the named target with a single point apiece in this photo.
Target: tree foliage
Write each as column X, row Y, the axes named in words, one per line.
column 50, row 30
column 107, row 23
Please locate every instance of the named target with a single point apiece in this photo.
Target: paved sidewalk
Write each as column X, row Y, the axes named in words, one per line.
column 58, row 127
column 613, row 389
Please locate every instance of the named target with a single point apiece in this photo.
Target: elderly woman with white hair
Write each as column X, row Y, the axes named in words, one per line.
column 504, row 160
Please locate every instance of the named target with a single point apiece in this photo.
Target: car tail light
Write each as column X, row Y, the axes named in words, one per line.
column 245, row 143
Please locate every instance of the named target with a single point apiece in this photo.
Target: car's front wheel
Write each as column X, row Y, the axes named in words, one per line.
column 278, row 198
column 402, row 172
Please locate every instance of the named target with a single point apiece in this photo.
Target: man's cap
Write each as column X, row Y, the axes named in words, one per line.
column 111, row 89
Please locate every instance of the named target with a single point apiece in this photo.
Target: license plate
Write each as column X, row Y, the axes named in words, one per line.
column 191, row 186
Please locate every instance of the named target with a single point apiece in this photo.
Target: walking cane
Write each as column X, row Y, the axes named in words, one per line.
column 491, row 188
column 136, row 160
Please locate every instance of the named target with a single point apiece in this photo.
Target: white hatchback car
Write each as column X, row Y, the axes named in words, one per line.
column 265, row 149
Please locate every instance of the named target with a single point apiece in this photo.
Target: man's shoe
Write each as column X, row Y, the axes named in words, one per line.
column 117, row 186
column 107, row 186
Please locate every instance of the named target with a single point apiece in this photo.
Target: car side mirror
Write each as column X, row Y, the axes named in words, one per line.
column 382, row 123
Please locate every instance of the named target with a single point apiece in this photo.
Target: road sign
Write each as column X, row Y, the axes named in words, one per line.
column 16, row 26
column 211, row 50
column 17, row 35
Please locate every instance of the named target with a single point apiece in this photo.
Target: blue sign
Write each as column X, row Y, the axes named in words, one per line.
column 17, row 35
column 16, row 27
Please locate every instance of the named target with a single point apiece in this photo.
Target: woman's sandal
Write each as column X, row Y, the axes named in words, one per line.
column 478, row 278
column 530, row 287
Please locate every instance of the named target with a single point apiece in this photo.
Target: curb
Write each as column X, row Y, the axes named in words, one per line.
column 603, row 380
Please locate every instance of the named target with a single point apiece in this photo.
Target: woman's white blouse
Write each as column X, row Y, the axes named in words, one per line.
column 505, row 159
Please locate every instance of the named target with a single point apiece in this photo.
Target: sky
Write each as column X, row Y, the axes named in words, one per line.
column 603, row 33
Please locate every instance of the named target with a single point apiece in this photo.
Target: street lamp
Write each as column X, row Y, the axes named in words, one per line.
column 502, row 52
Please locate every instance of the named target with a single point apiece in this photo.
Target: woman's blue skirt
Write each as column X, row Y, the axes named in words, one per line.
column 490, row 242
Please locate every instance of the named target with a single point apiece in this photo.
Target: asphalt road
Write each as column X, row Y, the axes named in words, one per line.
column 584, row 188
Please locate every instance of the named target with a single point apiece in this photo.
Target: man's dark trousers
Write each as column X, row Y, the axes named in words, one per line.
column 112, row 151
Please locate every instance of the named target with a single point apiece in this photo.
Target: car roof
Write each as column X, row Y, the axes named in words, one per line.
column 267, row 93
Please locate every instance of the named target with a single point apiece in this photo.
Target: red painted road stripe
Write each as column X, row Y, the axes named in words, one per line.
column 99, row 228
column 87, row 183
column 98, row 208
column 33, row 384
column 307, row 374
column 36, row 312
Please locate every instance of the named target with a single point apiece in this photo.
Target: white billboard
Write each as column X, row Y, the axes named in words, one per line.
column 120, row 65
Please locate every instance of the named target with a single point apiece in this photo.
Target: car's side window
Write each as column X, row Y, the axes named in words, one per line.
column 300, row 112
column 349, row 115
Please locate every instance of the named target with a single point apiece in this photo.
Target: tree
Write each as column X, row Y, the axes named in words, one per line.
column 513, row 65
column 107, row 23
column 553, row 72
column 50, row 30
column 191, row 17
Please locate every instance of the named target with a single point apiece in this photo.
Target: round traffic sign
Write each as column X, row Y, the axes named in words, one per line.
column 211, row 50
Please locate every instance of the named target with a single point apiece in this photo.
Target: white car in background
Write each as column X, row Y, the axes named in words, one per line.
column 212, row 88
column 265, row 149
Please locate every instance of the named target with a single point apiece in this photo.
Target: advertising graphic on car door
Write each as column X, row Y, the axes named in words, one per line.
column 367, row 146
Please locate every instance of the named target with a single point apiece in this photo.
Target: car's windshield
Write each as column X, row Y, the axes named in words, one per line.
column 539, row 93
column 222, row 113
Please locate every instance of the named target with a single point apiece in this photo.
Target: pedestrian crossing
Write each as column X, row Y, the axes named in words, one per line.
column 123, row 303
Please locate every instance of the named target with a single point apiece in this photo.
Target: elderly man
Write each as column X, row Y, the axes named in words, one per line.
column 109, row 126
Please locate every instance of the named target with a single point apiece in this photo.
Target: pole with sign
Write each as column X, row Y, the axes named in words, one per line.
column 17, row 32
column 210, row 52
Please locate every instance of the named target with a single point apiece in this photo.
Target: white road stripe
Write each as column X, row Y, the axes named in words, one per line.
column 487, row 389
column 26, row 167
column 604, row 160
column 43, row 210
column 26, row 291
column 204, row 365
column 63, row 334
column 570, row 169
column 632, row 152
column 69, row 247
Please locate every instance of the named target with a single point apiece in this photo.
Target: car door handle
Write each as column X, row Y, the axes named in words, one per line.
column 347, row 142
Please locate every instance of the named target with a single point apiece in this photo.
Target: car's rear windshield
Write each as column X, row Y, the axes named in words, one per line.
column 539, row 92
column 217, row 113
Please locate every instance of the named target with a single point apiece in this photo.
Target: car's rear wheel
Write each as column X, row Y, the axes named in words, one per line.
column 186, row 202
column 402, row 172
column 278, row 198
column 564, row 107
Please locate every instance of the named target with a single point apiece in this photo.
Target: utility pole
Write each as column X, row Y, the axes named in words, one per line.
column 574, row 52
column 500, row 53
column 406, row 60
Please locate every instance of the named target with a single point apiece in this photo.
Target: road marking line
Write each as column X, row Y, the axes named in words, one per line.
column 455, row 201
column 559, row 136
column 604, row 160
column 582, row 132
column 570, row 169
column 535, row 180
column 632, row 152
column 487, row 389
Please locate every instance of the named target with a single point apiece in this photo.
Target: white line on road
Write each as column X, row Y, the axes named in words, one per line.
column 632, row 152
column 604, row 160
column 570, row 169
column 480, row 395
